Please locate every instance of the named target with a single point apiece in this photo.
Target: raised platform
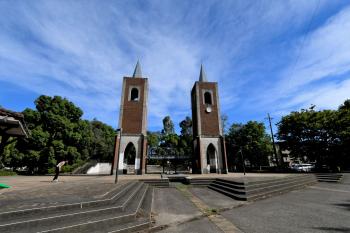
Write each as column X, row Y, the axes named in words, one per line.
column 126, row 209
column 96, row 204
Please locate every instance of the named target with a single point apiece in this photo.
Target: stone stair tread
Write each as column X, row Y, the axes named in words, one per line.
column 81, row 220
column 278, row 180
column 231, row 181
column 234, row 196
column 283, row 188
column 262, row 190
column 54, row 213
column 107, row 222
column 331, row 175
column 232, row 190
column 253, row 189
column 333, row 181
column 229, row 184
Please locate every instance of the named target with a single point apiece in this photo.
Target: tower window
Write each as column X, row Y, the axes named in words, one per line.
column 134, row 95
column 207, row 98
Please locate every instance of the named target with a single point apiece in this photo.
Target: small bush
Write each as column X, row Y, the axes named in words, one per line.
column 7, row 173
column 51, row 170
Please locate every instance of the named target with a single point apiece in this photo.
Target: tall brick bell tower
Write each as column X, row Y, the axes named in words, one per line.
column 208, row 145
column 133, row 124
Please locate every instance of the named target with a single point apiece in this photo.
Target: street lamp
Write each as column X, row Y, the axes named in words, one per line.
column 117, row 165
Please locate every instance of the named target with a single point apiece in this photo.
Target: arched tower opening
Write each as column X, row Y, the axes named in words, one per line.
column 134, row 95
column 207, row 98
column 129, row 159
column 211, row 159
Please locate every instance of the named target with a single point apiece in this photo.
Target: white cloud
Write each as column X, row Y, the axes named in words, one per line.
column 317, row 72
column 82, row 50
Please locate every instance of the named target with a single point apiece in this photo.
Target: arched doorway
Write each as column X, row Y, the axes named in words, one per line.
column 129, row 159
column 211, row 159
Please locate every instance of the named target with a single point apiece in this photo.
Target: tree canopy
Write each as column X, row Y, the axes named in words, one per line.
column 320, row 136
column 57, row 133
column 252, row 141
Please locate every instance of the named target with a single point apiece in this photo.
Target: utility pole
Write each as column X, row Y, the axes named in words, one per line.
column 273, row 139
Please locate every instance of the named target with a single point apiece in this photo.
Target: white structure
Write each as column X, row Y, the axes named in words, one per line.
column 100, row 169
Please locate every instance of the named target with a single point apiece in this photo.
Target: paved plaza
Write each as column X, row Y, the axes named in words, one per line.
column 323, row 207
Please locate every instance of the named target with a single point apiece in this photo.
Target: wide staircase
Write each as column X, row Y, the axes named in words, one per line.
column 125, row 209
column 329, row 177
column 247, row 191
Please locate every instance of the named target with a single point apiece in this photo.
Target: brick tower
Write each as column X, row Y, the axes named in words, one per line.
column 132, row 125
column 208, row 144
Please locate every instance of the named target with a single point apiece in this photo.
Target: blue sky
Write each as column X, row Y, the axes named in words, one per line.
column 267, row 56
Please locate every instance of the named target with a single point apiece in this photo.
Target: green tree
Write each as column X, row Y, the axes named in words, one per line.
column 343, row 127
column 186, row 126
column 252, row 140
column 103, row 141
column 321, row 136
column 153, row 138
column 168, row 126
column 186, row 137
column 57, row 133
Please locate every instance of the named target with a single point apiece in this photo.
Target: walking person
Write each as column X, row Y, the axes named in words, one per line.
column 58, row 169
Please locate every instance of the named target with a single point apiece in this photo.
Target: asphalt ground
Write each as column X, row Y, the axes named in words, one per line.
column 203, row 225
column 170, row 207
column 324, row 207
column 214, row 199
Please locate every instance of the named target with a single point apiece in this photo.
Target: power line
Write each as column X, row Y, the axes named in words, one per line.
column 305, row 37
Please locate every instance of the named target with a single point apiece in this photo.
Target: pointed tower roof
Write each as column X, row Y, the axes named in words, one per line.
column 137, row 71
column 202, row 75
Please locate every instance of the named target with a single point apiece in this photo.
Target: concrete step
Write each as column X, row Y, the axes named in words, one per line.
column 328, row 181
column 329, row 177
column 110, row 222
column 261, row 183
column 116, row 197
column 74, row 217
column 280, row 190
column 260, row 190
column 231, row 181
column 229, row 194
column 272, row 186
column 142, row 222
column 229, row 184
column 258, row 184
column 228, row 188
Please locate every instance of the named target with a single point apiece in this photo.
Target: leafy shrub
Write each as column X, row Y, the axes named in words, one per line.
column 7, row 173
